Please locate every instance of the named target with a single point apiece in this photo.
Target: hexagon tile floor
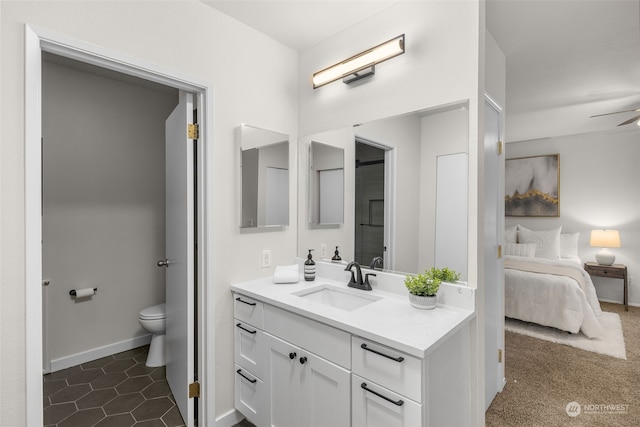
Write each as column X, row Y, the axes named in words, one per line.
column 115, row 391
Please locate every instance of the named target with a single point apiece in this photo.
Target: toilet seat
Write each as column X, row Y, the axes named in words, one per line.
column 155, row 312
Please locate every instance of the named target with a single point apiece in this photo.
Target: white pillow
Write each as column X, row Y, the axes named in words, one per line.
column 547, row 241
column 511, row 234
column 569, row 245
column 520, row 249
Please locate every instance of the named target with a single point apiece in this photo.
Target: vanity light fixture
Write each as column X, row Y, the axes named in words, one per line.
column 605, row 239
column 360, row 65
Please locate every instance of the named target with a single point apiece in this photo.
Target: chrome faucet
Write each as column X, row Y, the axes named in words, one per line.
column 356, row 282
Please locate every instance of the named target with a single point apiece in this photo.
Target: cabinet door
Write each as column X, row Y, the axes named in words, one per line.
column 325, row 393
column 283, row 378
column 375, row 406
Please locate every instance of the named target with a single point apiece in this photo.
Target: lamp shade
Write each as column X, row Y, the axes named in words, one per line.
column 605, row 238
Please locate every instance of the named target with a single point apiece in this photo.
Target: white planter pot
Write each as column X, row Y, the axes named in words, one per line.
column 423, row 302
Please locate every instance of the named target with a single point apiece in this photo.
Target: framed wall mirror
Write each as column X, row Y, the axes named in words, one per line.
column 326, row 184
column 391, row 188
column 264, row 165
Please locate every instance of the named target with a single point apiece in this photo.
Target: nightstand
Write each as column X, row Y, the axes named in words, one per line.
column 615, row 271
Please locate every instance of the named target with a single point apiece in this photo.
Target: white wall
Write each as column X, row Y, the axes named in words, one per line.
column 403, row 135
column 103, row 205
column 440, row 65
column 192, row 39
column 442, row 133
column 599, row 178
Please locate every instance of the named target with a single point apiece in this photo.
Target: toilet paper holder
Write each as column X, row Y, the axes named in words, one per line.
column 73, row 292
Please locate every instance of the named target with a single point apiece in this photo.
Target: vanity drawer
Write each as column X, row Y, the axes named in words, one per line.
column 387, row 367
column 248, row 310
column 325, row 341
column 375, row 406
column 249, row 348
column 251, row 396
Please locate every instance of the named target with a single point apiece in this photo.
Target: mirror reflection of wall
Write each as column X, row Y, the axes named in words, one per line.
column 265, row 178
column 406, row 210
column 326, row 184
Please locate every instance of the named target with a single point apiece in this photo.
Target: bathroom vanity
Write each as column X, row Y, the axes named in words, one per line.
column 322, row 354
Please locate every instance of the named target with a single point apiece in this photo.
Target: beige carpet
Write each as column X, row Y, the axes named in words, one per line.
column 542, row 378
column 611, row 344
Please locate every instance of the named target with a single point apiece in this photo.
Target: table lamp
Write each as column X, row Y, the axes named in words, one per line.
column 605, row 239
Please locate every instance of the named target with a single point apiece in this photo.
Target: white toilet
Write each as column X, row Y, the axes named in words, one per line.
column 152, row 319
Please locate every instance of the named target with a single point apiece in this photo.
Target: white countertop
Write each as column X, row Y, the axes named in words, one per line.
column 391, row 321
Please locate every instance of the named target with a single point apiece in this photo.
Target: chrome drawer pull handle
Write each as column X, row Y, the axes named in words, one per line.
column 395, row 402
column 252, row 381
column 239, row 325
column 396, row 359
column 248, row 303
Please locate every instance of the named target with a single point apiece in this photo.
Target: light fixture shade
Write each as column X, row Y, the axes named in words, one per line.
column 605, row 238
column 366, row 59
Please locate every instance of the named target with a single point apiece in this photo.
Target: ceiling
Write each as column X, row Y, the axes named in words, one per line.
column 566, row 60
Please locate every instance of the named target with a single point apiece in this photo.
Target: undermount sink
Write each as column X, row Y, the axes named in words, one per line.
column 345, row 299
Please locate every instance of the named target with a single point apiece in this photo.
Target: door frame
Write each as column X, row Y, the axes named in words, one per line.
column 38, row 40
column 389, row 199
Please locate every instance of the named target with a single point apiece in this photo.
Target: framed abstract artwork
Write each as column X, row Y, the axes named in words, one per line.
column 532, row 186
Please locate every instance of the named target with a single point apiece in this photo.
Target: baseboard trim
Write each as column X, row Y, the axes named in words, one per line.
column 99, row 352
column 229, row 419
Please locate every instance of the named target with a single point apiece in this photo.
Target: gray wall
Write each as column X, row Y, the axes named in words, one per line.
column 599, row 178
column 103, row 222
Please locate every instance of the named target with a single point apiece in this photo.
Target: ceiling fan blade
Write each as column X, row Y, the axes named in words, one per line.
column 631, row 120
column 617, row 112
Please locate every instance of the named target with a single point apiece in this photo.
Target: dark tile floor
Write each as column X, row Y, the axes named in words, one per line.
column 115, row 391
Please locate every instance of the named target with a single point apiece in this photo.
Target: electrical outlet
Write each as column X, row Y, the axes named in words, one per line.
column 323, row 250
column 266, row 258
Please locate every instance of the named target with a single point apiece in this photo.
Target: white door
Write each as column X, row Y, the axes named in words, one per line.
column 331, row 198
column 179, row 206
column 494, row 265
column 277, row 197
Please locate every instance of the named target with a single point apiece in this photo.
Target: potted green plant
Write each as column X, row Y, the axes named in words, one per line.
column 423, row 288
column 445, row 274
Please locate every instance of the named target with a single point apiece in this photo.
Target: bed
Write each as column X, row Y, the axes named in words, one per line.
column 543, row 287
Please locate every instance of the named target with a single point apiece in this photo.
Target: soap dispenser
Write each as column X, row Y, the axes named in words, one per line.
column 309, row 268
column 336, row 256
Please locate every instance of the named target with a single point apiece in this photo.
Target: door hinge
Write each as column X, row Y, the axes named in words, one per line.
column 499, row 355
column 194, row 390
column 500, row 147
column 193, row 131
column 499, row 251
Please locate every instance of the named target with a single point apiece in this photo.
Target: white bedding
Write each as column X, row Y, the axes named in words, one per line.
column 551, row 299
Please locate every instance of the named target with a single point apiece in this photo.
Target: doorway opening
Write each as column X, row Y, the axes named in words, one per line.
column 38, row 43
column 371, row 205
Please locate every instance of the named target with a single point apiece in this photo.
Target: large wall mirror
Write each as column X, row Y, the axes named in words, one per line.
column 265, row 177
column 405, row 192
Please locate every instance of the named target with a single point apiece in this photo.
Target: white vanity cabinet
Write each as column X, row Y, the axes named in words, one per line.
column 304, row 364
column 279, row 383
